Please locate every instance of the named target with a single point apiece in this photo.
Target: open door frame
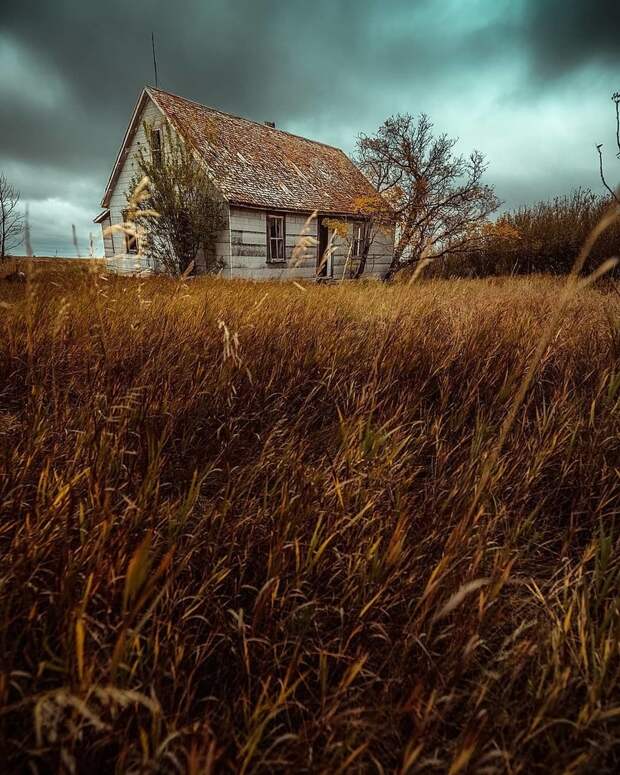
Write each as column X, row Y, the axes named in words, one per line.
column 324, row 263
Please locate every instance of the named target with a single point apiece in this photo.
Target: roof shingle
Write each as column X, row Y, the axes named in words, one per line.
column 257, row 165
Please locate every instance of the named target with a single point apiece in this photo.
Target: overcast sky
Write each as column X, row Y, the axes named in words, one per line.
column 527, row 82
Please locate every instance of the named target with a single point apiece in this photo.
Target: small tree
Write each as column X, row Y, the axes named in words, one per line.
column 437, row 198
column 11, row 218
column 181, row 211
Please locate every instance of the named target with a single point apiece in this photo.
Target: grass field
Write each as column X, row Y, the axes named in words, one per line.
column 243, row 528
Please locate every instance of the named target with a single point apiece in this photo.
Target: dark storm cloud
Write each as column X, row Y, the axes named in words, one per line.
column 281, row 60
column 71, row 70
column 565, row 35
column 269, row 60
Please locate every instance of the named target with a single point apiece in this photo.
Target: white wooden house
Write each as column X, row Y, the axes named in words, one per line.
column 272, row 182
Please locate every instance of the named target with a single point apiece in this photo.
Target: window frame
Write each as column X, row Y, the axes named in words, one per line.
column 281, row 217
column 159, row 151
column 130, row 239
column 357, row 241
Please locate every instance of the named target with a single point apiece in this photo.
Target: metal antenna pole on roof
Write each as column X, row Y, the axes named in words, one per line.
column 154, row 57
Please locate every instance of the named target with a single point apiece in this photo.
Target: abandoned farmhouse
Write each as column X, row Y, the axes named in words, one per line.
column 272, row 183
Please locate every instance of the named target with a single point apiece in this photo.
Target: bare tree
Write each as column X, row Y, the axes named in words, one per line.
column 11, row 218
column 615, row 195
column 437, row 198
column 181, row 211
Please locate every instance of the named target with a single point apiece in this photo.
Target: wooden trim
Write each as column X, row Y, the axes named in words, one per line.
column 239, row 205
column 102, row 216
column 112, row 236
column 320, row 270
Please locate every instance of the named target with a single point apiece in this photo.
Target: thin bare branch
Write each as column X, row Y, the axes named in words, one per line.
column 612, row 193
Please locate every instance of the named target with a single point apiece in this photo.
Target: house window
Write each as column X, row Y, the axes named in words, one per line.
column 131, row 240
column 357, row 247
column 275, row 238
column 157, row 151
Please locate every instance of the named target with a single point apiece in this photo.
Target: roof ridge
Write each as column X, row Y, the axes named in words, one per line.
column 244, row 118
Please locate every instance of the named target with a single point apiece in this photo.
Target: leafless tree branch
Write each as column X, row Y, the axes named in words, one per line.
column 437, row 197
column 612, row 193
column 11, row 218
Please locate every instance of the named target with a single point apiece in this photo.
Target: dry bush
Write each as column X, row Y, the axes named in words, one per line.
column 237, row 533
column 544, row 237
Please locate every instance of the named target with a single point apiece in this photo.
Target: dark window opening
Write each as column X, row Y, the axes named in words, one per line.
column 325, row 255
column 275, row 238
column 157, row 151
column 131, row 239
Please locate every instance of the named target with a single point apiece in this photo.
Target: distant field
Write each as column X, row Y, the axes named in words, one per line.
column 58, row 259
column 242, row 527
column 130, row 265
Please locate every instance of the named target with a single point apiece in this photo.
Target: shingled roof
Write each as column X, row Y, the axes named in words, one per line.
column 259, row 166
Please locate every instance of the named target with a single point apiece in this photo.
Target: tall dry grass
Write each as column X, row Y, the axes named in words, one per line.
column 237, row 533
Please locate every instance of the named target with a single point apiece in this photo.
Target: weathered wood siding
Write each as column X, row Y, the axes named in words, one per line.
column 377, row 262
column 380, row 253
column 118, row 200
column 248, row 236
